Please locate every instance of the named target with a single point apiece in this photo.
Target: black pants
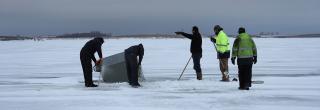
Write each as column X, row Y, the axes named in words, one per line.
column 132, row 68
column 196, row 61
column 245, row 75
column 86, row 67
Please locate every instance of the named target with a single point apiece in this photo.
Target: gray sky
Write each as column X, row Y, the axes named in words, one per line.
column 43, row 17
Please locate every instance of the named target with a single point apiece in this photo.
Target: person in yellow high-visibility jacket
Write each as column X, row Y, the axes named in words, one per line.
column 245, row 51
column 223, row 51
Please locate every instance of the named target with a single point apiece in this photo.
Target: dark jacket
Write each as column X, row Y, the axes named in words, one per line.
column 91, row 47
column 196, row 42
column 136, row 50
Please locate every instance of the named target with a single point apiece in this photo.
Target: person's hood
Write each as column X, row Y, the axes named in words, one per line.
column 141, row 49
column 99, row 40
column 217, row 29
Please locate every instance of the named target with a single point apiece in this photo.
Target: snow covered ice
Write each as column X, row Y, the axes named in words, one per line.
column 45, row 76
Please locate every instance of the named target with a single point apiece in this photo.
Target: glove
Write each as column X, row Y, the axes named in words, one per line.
column 213, row 40
column 255, row 59
column 99, row 62
column 233, row 60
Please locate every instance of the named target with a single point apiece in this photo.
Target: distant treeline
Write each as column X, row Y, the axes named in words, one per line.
column 85, row 35
column 8, row 38
column 148, row 36
column 300, row 36
column 109, row 35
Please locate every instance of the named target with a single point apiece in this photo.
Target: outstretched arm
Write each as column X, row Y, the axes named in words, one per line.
column 184, row 34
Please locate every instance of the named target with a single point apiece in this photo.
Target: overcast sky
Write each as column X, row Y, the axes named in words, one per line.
column 50, row 17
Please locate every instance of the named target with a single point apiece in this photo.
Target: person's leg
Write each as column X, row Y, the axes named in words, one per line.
column 224, row 69
column 89, row 74
column 196, row 65
column 246, row 76
column 128, row 66
column 83, row 65
column 249, row 75
column 87, row 70
column 133, row 65
column 241, row 76
column 221, row 66
column 134, row 74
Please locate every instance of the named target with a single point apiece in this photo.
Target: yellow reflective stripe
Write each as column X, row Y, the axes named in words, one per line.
column 245, row 48
column 223, row 51
column 222, row 45
column 247, row 56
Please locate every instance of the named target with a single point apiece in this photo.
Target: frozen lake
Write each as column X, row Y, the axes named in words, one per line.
column 46, row 75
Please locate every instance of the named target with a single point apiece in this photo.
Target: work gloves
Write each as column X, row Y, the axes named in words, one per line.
column 255, row 59
column 99, row 62
column 233, row 60
column 213, row 39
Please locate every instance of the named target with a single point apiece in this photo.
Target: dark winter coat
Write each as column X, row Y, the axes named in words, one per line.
column 196, row 42
column 91, row 47
column 137, row 50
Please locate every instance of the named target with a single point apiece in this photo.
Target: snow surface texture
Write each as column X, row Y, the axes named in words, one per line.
column 45, row 76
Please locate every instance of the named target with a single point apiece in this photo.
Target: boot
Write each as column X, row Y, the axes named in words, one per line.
column 234, row 79
column 135, row 85
column 243, row 88
column 199, row 75
column 91, row 85
column 225, row 76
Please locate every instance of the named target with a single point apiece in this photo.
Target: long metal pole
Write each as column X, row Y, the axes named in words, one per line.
column 185, row 68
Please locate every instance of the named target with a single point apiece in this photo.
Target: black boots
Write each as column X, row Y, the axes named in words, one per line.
column 135, row 85
column 199, row 75
column 91, row 85
column 235, row 79
column 243, row 88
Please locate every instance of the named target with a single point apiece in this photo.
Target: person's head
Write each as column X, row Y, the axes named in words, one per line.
column 99, row 39
column 141, row 49
column 241, row 30
column 217, row 29
column 195, row 30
